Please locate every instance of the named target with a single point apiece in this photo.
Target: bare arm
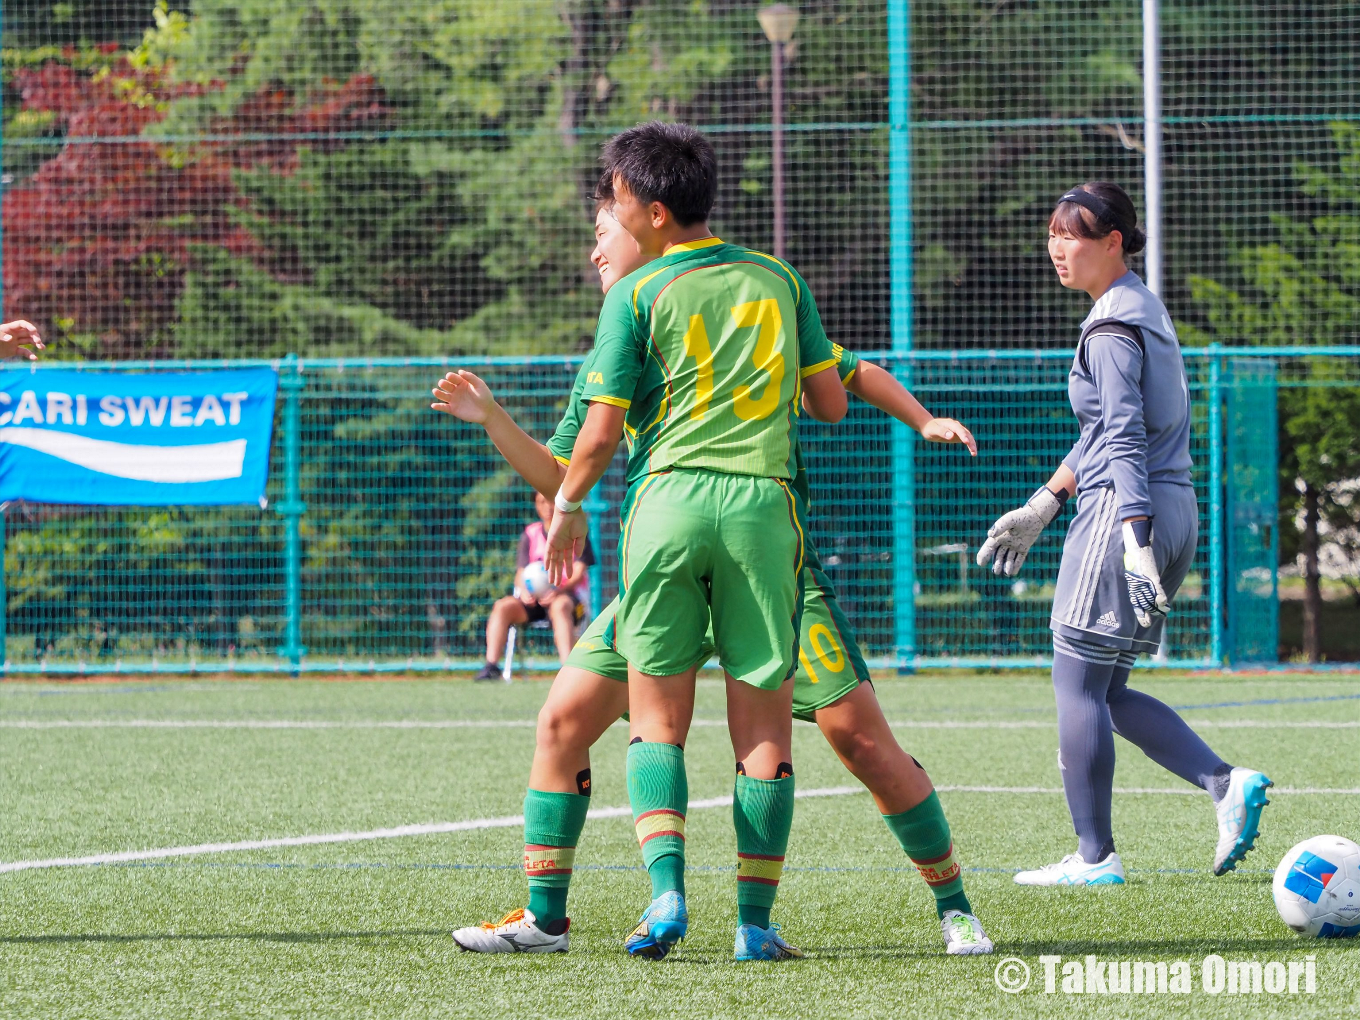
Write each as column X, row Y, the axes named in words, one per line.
column 469, row 399
column 16, row 337
column 824, row 396
column 525, row 454
column 1062, row 479
column 595, row 445
column 578, row 574
column 879, row 387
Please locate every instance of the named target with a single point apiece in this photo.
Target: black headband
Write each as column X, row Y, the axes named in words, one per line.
column 1098, row 206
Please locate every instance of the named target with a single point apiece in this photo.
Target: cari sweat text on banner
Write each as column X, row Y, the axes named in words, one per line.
column 129, row 439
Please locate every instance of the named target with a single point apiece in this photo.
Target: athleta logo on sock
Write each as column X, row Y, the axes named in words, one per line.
column 548, row 860
column 1108, row 620
column 939, row 870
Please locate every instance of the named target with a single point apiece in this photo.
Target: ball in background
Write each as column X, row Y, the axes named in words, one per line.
column 536, row 581
column 1317, row 888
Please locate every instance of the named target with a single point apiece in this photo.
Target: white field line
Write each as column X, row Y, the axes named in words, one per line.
column 497, row 724
column 427, row 829
column 531, row 724
column 512, row 821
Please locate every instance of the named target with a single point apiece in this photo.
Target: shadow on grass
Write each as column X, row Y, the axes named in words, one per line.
column 263, row 936
column 1187, row 947
column 1161, row 947
column 1071, row 948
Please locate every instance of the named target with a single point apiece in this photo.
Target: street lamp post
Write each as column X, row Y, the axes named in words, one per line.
column 778, row 22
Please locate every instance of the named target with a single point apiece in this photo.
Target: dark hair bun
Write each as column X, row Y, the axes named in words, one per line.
column 1135, row 241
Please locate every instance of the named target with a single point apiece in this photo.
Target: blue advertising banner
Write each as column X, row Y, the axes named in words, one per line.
column 129, row 439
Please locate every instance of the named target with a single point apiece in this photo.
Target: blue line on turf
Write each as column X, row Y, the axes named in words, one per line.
column 110, row 689
column 377, row 865
column 1269, row 701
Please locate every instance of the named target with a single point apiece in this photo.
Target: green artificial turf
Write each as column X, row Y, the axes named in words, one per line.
column 360, row 929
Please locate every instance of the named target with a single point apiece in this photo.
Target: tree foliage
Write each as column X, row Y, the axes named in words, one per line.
column 1303, row 290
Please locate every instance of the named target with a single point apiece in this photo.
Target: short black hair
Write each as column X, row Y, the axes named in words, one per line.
column 603, row 195
column 668, row 163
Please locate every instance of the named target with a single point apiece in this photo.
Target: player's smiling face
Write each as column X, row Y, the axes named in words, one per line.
column 1081, row 261
column 616, row 254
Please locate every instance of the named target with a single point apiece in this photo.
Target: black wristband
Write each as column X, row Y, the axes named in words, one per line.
column 1142, row 531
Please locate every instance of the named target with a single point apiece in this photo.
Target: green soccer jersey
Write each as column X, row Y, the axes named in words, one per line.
column 706, row 348
column 563, row 439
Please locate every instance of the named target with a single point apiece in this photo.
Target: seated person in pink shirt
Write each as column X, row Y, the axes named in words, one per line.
column 563, row 606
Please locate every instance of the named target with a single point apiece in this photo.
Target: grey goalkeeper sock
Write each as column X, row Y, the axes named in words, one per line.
column 1085, row 741
column 1163, row 736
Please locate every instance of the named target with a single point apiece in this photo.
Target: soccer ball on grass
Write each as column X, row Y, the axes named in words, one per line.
column 1317, row 888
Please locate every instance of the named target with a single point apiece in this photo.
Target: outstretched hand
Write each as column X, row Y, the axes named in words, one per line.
column 464, row 396
column 566, row 535
column 17, row 337
column 947, row 430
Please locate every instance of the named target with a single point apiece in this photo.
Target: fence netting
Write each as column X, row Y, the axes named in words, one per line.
column 410, row 179
column 412, row 520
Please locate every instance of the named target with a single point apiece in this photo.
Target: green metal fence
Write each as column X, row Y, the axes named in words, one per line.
column 390, row 529
column 247, row 178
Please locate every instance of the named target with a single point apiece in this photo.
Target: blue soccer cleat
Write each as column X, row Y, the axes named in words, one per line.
column 756, row 943
column 1239, row 817
column 662, row 925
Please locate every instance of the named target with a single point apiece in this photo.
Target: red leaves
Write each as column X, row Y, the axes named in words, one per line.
column 99, row 239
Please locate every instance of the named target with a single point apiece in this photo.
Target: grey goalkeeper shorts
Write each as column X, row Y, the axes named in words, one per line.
column 1092, row 600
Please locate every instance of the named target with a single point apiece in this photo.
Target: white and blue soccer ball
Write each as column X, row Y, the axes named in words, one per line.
column 1317, row 888
column 536, row 581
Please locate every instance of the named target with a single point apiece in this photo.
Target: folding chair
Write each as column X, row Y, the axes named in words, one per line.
column 583, row 618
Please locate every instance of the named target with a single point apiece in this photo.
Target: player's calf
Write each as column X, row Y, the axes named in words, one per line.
column 659, row 794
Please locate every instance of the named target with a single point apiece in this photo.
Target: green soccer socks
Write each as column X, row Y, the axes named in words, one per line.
column 762, row 810
column 659, row 794
column 552, row 826
column 923, row 832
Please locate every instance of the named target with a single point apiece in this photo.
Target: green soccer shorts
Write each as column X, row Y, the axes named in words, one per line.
column 593, row 652
column 699, row 545
column 830, row 665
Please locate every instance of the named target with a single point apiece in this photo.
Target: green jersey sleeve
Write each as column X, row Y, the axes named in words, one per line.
column 619, row 354
column 563, row 439
column 815, row 351
column 849, row 361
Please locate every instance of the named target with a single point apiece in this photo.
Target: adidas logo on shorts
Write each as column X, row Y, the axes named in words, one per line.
column 1108, row 620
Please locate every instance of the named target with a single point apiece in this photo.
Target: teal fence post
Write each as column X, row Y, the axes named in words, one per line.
column 4, row 597
column 1215, row 505
column 4, row 588
column 900, row 277
column 594, row 507
column 291, row 509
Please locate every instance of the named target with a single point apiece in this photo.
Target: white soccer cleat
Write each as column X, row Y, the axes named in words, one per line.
column 516, row 932
column 1239, row 817
column 1073, row 870
column 963, row 934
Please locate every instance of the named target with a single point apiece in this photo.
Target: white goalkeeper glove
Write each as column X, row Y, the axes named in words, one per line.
column 1009, row 539
column 1140, row 570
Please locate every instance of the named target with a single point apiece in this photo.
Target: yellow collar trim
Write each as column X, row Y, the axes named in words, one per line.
column 703, row 242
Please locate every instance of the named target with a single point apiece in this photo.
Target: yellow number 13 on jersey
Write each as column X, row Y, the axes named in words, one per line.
column 764, row 316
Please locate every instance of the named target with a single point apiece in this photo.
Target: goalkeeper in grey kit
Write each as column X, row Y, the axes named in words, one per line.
column 1128, row 549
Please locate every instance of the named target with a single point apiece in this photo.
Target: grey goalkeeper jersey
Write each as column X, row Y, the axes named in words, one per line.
column 1130, row 398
